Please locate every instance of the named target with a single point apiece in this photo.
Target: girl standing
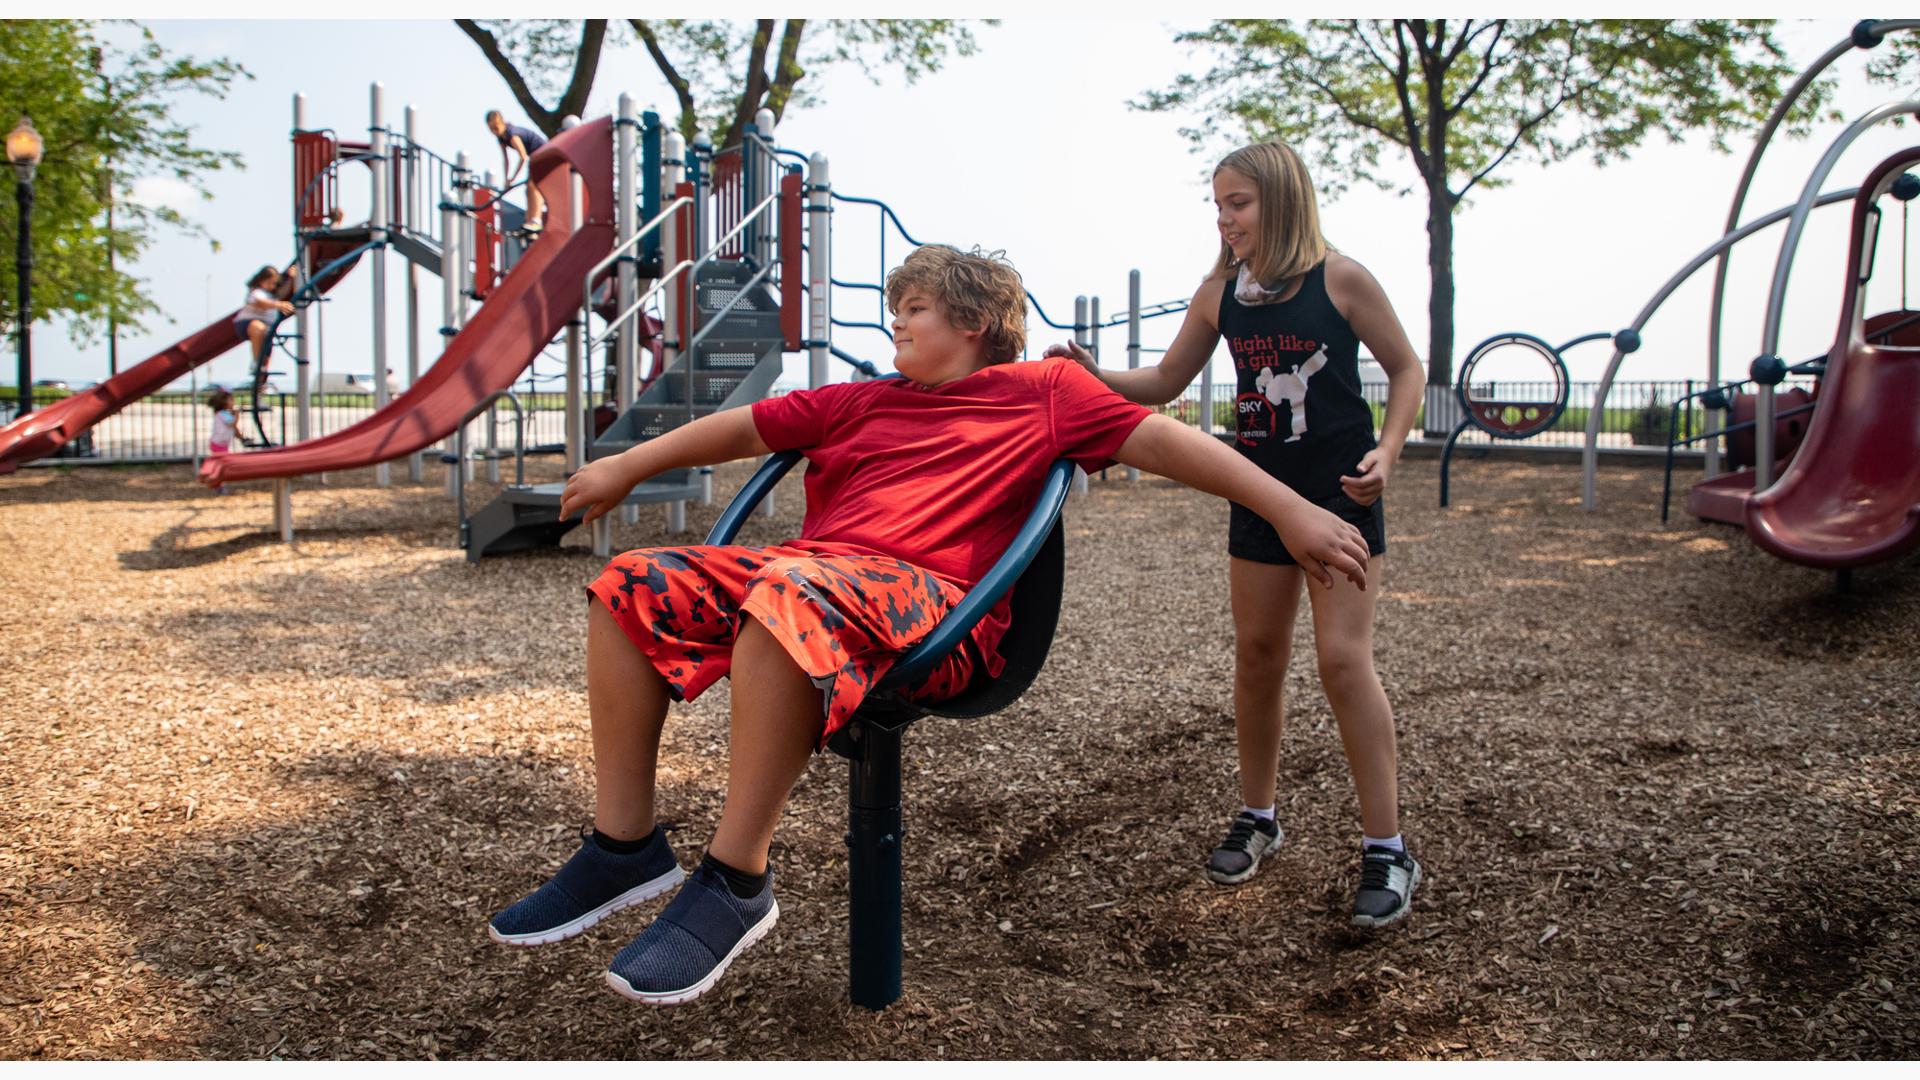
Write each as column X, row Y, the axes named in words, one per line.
column 225, row 423
column 1294, row 314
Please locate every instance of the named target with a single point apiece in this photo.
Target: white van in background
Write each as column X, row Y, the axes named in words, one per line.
column 354, row 382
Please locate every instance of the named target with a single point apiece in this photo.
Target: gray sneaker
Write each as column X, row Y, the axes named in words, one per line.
column 592, row 885
column 1387, row 881
column 687, row 948
column 1250, row 839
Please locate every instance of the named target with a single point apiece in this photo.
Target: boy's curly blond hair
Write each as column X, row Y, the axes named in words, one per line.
column 976, row 290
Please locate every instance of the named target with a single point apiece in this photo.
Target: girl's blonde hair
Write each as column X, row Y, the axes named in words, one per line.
column 977, row 291
column 1289, row 243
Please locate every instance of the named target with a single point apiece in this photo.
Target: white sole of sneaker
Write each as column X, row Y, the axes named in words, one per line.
column 682, row 996
column 1252, row 868
column 1369, row 922
column 644, row 891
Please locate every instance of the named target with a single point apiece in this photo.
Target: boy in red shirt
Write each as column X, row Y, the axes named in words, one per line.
column 915, row 487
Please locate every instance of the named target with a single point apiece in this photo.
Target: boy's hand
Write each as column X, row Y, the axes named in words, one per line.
column 1371, row 482
column 1076, row 352
column 1324, row 545
column 597, row 488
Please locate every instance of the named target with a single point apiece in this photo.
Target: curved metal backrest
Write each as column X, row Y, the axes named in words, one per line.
column 1035, row 558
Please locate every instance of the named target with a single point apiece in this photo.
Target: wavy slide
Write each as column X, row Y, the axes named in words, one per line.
column 520, row 317
column 43, row 431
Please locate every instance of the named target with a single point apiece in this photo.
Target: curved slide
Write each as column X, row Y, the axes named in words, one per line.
column 521, row 316
column 43, row 431
column 1851, row 497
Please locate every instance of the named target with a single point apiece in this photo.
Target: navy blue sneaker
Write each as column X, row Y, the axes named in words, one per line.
column 593, row 884
column 682, row 954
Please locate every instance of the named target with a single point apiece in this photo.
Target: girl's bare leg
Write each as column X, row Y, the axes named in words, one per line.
column 777, row 717
column 628, row 700
column 1343, row 636
column 1266, row 599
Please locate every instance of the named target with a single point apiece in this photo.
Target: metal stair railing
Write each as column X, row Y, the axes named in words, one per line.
column 614, row 256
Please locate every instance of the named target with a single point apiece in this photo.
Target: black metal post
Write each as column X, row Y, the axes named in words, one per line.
column 23, row 264
column 873, row 868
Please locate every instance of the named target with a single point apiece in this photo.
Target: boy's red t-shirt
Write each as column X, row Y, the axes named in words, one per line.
column 942, row 477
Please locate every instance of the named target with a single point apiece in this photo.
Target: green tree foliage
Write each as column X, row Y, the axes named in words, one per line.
column 721, row 72
column 105, row 115
column 1461, row 98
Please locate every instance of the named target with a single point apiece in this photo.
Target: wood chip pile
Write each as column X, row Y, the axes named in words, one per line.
column 258, row 801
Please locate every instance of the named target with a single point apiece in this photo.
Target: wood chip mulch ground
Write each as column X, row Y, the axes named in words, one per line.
column 259, row 800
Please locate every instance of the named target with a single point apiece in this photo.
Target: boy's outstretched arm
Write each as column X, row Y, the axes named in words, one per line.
column 723, row 436
column 1321, row 543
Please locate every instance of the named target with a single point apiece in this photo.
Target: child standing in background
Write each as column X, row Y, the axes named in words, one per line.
column 1295, row 313
column 225, row 423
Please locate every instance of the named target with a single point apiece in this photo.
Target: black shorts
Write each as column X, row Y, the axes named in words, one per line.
column 1250, row 537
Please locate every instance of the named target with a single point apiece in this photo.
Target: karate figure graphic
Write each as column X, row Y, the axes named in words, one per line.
column 1291, row 387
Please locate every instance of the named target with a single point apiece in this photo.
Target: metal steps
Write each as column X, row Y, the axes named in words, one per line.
column 524, row 518
column 734, row 365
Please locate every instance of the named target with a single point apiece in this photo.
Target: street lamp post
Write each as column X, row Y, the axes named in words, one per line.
column 23, row 149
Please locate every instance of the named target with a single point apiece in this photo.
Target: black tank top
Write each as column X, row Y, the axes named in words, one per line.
column 1300, row 414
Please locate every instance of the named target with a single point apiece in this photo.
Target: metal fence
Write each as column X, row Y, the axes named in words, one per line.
column 173, row 426
column 1635, row 413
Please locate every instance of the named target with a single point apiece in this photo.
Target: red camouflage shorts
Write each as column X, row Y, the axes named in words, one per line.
column 845, row 619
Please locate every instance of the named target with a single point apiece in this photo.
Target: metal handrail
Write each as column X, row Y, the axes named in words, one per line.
column 586, row 288
column 460, row 451
column 694, row 266
column 613, row 325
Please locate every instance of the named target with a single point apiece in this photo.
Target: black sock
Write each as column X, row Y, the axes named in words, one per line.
column 739, row 882
column 622, row 847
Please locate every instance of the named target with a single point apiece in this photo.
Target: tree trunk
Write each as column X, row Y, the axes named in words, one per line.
column 1440, row 297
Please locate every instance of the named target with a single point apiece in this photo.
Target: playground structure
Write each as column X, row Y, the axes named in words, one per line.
column 1881, row 526
column 710, row 264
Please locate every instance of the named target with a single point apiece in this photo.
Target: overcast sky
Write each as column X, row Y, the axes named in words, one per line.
column 1029, row 146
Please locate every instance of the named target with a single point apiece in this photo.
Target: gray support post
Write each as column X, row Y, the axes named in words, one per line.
column 626, row 205
column 283, row 508
column 1133, row 336
column 1082, row 336
column 1093, row 327
column 410, row 219
column 819, row 269
column 1206, row 397
column 1763, row 416
column 451, row 256
column 378, row 143
column 464, row 284
column 766, row 174
column 673, row 148
column 302, row 322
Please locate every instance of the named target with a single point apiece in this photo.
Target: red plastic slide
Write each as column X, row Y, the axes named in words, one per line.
column 43, row 431
column 1851, row 497
column 524, row 313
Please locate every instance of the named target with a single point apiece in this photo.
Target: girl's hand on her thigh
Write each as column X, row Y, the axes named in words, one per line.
column 1371, row 482
column 1074, row 351
column 1324, row 545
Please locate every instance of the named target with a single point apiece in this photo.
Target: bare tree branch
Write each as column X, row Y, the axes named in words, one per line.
column 689, row 112
column 522, row 93
column 787, row 70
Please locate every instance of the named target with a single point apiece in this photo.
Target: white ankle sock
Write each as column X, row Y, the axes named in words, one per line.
column 1392, row 842
column 1264, row 815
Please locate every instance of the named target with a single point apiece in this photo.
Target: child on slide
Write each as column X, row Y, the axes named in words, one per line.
column 517, row 145
column 1295, row 313
column 915, row 487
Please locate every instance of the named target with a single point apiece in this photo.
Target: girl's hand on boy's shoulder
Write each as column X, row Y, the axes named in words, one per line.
column 1074, row 351
column 1371, row 481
